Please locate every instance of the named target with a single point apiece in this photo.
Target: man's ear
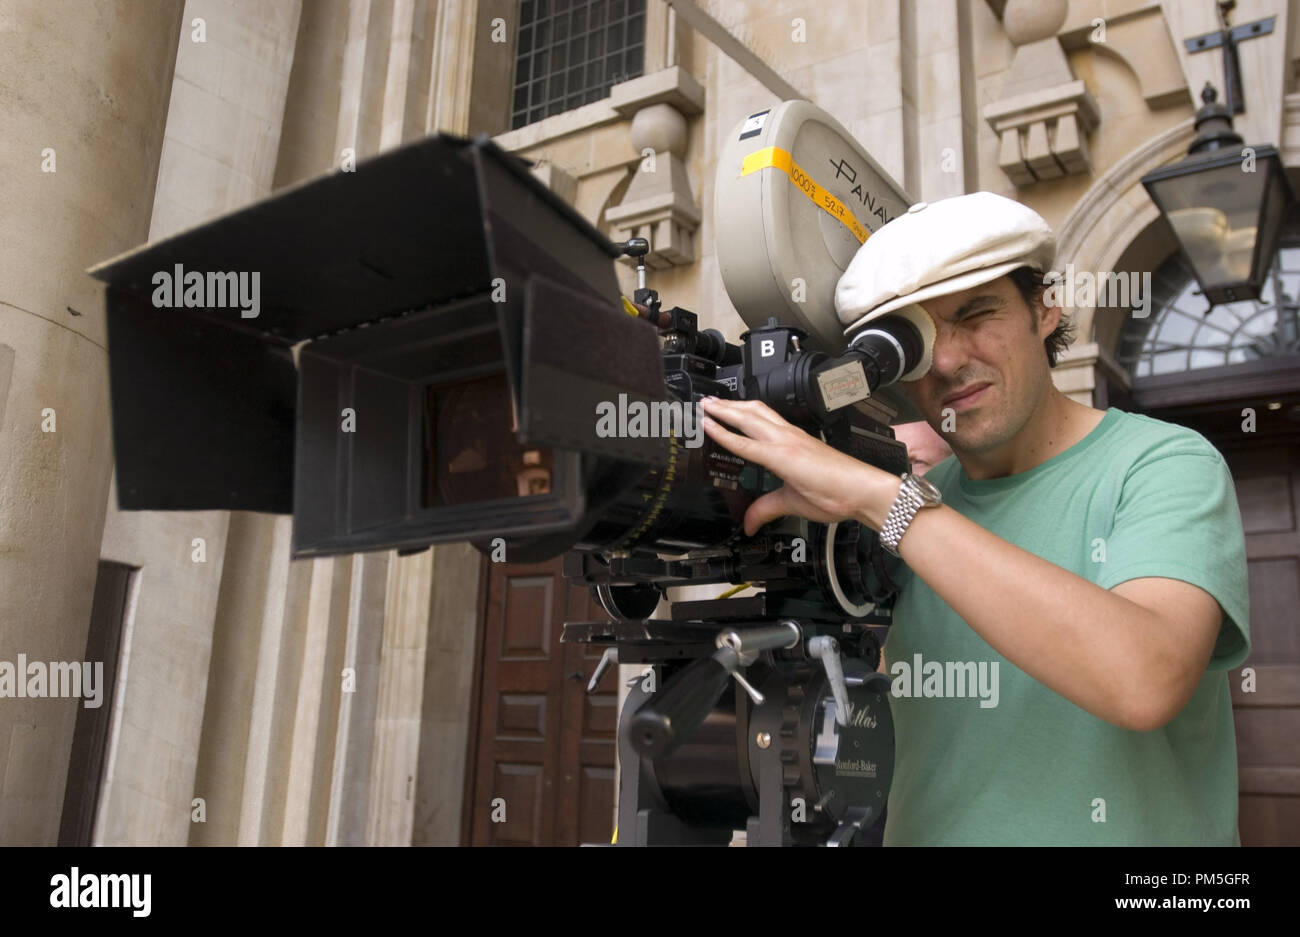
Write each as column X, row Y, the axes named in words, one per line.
column 1046, row 315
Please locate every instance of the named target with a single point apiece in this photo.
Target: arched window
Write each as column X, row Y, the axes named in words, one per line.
column 1180, row 334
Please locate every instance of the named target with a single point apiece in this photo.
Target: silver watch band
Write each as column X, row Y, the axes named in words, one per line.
column 899, row 517
column 915, row 493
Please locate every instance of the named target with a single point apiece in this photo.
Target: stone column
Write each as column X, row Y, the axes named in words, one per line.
column 945, row 101
column 443, row 722
column 452, row 67
column 365, row 65
column 83, row 87
column 396, row 752
column 222, row 135
column 406, row 85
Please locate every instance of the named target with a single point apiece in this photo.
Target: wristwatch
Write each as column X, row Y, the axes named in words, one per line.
column 915, row 494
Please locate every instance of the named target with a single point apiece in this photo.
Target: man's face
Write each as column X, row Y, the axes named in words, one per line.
column 989, row 370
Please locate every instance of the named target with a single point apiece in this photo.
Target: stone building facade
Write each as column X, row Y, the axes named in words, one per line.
column 129, row 121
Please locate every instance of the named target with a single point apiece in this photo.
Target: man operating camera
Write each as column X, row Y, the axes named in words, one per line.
column 1091, row 561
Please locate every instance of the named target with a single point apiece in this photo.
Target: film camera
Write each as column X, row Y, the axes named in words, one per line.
column 436, row 333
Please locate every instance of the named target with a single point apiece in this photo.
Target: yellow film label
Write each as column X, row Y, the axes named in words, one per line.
column 773, row 157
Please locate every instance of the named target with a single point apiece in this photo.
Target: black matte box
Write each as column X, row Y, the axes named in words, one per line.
column 393, row 276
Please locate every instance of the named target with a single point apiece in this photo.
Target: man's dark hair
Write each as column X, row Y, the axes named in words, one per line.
column 1031, row 286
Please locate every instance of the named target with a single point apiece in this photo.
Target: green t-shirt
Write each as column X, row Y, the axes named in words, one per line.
column 1136, row 497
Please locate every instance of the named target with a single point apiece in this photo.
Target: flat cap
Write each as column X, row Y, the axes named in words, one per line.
column 941, row 247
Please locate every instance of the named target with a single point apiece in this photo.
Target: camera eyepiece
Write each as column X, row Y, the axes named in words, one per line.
column 890, row 347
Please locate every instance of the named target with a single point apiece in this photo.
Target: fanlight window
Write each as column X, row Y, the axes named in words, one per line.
column 1181, row 335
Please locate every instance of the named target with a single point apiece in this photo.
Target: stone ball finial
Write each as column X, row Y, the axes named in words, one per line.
column 660, row 127
column 1026, row 21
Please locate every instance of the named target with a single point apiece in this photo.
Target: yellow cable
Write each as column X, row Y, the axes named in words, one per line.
column 740, row 588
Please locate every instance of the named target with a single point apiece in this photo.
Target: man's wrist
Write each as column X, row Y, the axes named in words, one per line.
column 878, row 495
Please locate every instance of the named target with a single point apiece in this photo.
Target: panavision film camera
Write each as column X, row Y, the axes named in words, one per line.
column 436, row 351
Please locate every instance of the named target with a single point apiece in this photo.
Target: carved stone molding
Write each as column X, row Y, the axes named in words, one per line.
column 1043, row 134
column 1045, row 114
column 659, row 204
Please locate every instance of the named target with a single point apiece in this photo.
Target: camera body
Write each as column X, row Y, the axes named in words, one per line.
column 681, row 523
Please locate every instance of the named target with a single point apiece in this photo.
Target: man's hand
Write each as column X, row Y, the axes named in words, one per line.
column 821, row 483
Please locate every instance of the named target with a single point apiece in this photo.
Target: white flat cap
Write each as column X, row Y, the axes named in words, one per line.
column 937, row 248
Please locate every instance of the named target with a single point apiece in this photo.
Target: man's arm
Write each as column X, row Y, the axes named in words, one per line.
column 1132, row 655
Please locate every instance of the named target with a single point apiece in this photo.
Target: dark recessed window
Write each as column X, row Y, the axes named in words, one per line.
column 571, row 52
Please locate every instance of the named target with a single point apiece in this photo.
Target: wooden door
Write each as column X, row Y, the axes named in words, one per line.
column 1268, row 718
column 543, row 750
column 1251, row 413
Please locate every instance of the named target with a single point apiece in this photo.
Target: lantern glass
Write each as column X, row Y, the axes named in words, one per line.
column 1226, row 211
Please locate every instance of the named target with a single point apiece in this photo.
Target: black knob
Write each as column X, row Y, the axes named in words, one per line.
column 634, row 247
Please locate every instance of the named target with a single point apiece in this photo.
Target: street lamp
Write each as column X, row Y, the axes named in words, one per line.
column 1226, row 204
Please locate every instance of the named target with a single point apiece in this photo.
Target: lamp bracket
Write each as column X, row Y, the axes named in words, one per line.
column 1228, row 37
column 1238, row 33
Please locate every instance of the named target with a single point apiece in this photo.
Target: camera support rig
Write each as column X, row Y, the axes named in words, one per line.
column 802, row 754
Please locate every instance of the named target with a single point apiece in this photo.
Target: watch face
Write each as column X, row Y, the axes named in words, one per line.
column 926, row 489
